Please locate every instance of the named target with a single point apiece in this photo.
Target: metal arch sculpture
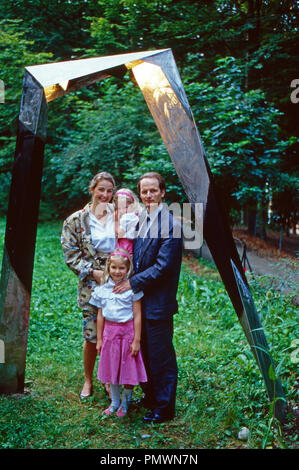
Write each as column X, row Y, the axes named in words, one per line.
column 158, row 78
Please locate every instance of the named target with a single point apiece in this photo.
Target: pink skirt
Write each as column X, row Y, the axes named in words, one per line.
column 116, row 364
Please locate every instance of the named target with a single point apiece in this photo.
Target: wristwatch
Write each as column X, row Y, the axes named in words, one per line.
column 91, row 272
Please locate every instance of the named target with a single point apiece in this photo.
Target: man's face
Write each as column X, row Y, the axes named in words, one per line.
column 150, row 193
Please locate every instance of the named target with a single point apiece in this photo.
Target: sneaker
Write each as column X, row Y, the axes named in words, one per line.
column 121, row 412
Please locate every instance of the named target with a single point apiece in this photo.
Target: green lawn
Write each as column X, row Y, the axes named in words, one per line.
column 220, row 388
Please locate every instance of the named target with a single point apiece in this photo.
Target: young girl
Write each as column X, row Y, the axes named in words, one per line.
column 118, row 333
column 126, row 218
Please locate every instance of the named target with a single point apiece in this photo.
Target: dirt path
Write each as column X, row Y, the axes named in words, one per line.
column 264, row 259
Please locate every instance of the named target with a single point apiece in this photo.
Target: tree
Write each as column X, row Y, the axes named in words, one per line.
column 260, row 35
column 241, row 136
column 15, row 55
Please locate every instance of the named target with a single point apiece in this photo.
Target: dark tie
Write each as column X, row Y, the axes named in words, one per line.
column 148, row 219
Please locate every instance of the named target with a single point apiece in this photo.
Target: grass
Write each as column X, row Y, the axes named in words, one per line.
column 220, row 388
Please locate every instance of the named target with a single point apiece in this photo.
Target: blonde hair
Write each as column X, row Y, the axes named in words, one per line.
column 103, row 175
column 130, row 196
column 118, row 253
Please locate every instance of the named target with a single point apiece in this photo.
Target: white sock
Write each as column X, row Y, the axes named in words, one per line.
column 126, row 397
column 115, row 396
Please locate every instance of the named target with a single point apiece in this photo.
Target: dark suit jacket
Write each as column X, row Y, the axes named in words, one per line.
column 157, row 263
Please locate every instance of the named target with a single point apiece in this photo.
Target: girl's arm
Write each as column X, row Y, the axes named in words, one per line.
column 100, row 328
column 135, row 346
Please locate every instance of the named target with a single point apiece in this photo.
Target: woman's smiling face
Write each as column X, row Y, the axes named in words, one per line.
column 102, row 192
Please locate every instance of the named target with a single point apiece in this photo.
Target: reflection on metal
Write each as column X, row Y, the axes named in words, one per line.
column 253, row 329
column 158, row 78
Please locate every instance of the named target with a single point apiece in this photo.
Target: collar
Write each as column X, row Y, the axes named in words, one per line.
column 153, row 214
column 111, row 283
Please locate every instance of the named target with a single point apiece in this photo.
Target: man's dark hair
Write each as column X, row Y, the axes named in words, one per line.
column 152, row 174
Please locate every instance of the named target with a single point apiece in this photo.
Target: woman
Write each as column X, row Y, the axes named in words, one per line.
column 88, row 237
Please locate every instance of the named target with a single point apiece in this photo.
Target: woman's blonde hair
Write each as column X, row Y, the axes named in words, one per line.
column 103, row 175
column 118, row 253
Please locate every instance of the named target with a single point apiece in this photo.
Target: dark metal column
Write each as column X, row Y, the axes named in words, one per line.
column 21, row 225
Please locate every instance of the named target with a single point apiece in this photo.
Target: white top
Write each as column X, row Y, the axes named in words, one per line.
column 128, row 223
column 103, row 235
column 115, row 307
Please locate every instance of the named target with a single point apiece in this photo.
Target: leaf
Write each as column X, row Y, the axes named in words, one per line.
column 271, row 373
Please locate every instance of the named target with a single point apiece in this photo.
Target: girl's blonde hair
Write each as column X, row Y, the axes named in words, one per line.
column 118, row 253
column 130, row 195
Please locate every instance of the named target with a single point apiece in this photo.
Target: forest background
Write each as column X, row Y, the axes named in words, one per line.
column 238, row 61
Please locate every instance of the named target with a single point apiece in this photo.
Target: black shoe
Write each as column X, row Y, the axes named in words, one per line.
column 141, row 403
column 154, row 417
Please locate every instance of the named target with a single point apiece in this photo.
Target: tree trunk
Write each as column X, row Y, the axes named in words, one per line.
column 252, row 222
column 262, row 220
column 295, row 223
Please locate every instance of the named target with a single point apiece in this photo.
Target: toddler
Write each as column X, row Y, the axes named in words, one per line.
column 126, row 218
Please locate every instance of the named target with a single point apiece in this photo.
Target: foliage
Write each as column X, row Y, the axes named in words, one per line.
column 236, row 58
column 113, row 130
column 220, row 388
column 239, row 130
column 240, row 133
column 15, row 55
column 54, row 26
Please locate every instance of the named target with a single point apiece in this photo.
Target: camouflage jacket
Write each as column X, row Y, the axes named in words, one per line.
column 80, row 254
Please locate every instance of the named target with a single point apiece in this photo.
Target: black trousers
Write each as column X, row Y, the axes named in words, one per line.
column 161, row 366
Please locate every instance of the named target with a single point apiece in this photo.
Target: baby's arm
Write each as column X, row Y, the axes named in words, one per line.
column 135, row 346
column 100, row 328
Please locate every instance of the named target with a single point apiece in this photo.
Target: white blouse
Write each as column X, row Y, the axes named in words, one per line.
column 115, row 307
column 103, row 235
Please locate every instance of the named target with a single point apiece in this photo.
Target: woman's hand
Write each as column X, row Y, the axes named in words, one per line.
column 98, row 275
column 135, row 347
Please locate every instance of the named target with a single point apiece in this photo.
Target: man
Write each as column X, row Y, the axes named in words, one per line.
column 157, row 262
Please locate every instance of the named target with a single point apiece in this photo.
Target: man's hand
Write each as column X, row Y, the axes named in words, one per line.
column 122, row 287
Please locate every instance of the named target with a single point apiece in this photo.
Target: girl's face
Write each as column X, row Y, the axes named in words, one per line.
column 122, row 204
column 118, row 269
column 102, row 192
